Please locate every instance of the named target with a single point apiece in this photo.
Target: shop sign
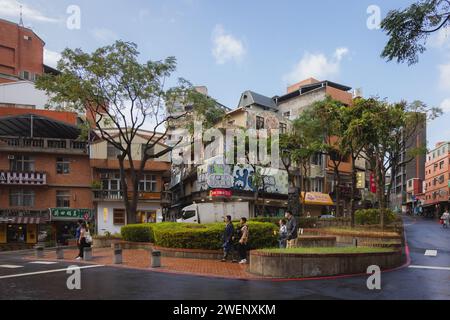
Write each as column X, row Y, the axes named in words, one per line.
column 70, row 214
column 220, row 193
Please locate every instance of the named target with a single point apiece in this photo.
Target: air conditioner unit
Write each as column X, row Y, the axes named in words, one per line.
column 10, row 157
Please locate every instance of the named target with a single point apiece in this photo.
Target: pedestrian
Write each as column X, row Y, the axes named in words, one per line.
column 77, row 236
column 283, row 234
column 445, row 218
column 82, row 240
column 243, row 241
column 292, row 232
column 228, row 238
column 308, row 215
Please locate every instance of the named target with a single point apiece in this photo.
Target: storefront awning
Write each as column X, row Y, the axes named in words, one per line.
column 316, row 198
column 23, row 220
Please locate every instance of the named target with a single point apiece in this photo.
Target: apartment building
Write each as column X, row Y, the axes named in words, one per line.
column 437, row 179
column 108, row 194
column 45, row 179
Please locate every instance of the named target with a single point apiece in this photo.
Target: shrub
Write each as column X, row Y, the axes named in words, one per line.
column 372, row 216
column 302, row 222
column 197, row 236
column 137, row 232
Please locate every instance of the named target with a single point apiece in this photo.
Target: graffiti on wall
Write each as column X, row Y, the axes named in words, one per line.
column 240, row 177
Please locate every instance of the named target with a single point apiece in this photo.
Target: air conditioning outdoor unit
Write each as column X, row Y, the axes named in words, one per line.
column 10, row 157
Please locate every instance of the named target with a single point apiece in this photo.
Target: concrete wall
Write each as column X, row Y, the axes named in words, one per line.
column 299, row 103
column 309, row 265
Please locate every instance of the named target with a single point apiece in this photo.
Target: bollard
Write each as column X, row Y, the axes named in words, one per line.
column 156, row 259
column 59, row 253
column 355, row 242
column 39, row 251
column 117, row 256
column 87, row 254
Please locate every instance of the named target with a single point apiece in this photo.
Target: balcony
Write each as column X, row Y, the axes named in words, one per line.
column 47, row 145
column 12, row 178
column 118, row 195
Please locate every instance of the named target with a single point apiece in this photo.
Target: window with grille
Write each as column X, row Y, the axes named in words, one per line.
column 62, row 166
column 119, row 216
column 21, row 198
column 63, row 199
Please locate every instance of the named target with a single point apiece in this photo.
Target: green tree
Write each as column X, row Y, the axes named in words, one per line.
column 408, row 29
column 117, row 91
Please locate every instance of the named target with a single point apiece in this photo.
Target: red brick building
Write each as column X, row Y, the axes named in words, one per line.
column 21, row 53
column 45, row 176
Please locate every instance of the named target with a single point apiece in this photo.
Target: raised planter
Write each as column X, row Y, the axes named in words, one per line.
column 347, row 238
column 307, row 241
column 131, row 245
column 103, row 242
column 286, row 265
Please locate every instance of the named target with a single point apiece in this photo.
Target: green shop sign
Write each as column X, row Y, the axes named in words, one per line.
column 70, row 214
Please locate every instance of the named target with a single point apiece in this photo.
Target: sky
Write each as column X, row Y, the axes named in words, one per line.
column 236, row 45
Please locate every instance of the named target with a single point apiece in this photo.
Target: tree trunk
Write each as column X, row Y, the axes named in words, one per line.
column 338, row 191
column 353, row 191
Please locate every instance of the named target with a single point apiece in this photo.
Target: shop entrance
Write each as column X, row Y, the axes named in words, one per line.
column 16, row 233
column 148, row 216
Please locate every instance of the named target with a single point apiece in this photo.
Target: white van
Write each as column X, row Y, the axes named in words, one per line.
column 214, row 212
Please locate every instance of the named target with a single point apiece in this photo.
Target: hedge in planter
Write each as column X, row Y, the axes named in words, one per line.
column 372, row 216
column 197, row 236
column 302, row 222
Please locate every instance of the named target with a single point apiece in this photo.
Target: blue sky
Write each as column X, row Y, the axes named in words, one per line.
column 234, row 45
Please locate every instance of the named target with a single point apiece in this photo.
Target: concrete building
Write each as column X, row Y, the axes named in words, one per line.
column 401, row 200
column 45, row 178
column 108, row 193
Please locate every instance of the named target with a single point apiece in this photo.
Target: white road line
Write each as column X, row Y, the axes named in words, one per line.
column 10, row 266
column 430, row 267
column 431, row 253
column 43, row 262
column 47, row 271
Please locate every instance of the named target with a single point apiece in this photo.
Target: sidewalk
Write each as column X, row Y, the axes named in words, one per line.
column 140, row 259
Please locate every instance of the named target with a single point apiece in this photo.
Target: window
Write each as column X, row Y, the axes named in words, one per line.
column 21, row 198
column 63, row 199
column 22, row 164
column 283, row 127
column 188, row 214
column 119, row 216
column 441, row 164
column 112, row 151
column 62, row 166
column 287, row 114
column 259, row 122
column 317, row 159
column 111, row 181
column 148, row 183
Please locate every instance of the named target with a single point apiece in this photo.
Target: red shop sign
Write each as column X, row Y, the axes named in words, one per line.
column 220, row 193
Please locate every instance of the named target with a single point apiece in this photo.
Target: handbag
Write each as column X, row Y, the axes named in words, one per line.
column 88, row 237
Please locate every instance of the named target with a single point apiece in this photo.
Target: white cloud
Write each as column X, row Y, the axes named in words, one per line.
column 104, row 35
column 440, row 39
column 226, row 47
column 51, row 58
column 317, row 66
column 11, row 9
column 445, row 105
column 444, row 76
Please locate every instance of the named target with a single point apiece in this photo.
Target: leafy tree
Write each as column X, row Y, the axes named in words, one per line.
column 122, row 95
column 409, row 29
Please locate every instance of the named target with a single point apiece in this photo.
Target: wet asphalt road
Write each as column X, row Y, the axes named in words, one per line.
column 118, row 283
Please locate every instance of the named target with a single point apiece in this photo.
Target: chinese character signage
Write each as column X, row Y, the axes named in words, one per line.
column 70, row 214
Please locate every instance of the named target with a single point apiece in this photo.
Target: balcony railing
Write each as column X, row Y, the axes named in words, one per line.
column 12, row 178
column 43, row 144
column 118, row 195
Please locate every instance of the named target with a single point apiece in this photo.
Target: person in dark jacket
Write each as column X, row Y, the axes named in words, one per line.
column 291, row 227
column 227, row 238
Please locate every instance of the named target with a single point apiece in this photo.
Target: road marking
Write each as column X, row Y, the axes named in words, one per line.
column 43, row 262
column 48, row 271
column 431, row 253
column 430, row 267
column 10, row 266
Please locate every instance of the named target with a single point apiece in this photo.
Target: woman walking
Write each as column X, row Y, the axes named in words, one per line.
column 82, row 242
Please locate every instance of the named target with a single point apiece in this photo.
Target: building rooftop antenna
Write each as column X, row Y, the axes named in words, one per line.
column 21, row 16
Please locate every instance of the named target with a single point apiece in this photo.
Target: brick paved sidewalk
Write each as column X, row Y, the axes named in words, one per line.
column 135, row 258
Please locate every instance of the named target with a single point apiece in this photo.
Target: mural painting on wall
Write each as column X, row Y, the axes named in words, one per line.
column 240, row 177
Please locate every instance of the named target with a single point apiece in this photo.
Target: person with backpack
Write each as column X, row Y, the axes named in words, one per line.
column 228, row 238
column 243, row 241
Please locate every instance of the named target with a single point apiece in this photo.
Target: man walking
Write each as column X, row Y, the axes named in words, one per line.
column 291, row 227
column 242, row 246
column 227, row 238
